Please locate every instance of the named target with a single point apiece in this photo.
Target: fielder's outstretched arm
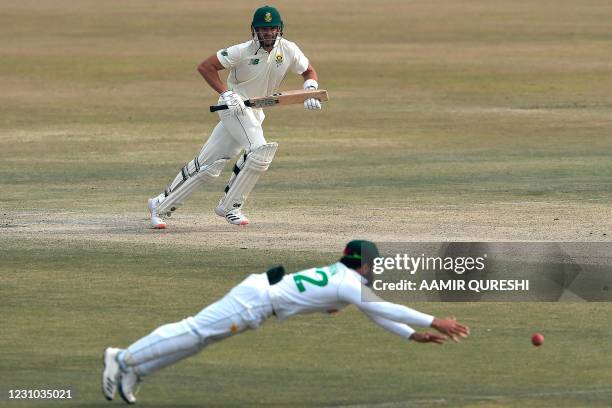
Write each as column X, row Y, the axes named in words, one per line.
column 370, row 303
column 396, row 328
column 366, row 300
column 407, row 332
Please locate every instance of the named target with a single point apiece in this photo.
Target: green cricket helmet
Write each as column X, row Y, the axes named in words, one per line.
column 359, row 252
column 266, row 16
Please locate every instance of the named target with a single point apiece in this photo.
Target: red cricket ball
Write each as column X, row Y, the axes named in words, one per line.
column 537, row 339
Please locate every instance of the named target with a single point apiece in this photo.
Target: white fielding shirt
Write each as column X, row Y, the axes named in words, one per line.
column 255, row 72
column 331, row 288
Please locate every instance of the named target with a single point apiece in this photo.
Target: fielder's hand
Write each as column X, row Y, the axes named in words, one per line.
column 312, row 103
column 234, row 102
column 428, row 338
column 451, row 328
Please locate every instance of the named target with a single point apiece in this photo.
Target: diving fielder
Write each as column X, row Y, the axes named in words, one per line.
column 326, row 289
column 256, row 68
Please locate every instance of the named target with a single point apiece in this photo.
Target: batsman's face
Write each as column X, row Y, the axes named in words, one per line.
column 267, row 36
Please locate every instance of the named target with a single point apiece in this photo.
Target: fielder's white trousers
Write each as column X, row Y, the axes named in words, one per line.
column 245, row 307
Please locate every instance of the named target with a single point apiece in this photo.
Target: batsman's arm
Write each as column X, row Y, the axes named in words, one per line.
column 310, row 73
column 209, row 69
column 310, row 82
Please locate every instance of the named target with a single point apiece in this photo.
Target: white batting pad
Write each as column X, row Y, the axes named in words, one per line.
column 257, row 162
column 187, row 181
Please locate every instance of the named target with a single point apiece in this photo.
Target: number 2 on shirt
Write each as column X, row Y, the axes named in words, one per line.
column 300, row 279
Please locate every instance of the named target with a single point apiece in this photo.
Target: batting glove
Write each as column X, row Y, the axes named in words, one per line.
column 234, row 102
column 311, row 103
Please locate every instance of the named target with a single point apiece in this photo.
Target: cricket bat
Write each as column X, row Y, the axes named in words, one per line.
column 280, row 98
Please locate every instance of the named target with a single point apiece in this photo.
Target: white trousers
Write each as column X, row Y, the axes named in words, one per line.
column 233, row 134
column 245, row 307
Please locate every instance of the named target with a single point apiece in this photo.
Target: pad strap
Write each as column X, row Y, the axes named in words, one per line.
column 246, row 175
column 187, row 181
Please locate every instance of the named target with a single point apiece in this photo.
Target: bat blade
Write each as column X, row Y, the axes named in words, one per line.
column 267, row 102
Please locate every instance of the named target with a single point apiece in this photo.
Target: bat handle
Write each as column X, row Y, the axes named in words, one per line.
column 216, row 108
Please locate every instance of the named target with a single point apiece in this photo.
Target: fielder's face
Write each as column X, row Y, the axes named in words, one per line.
column 267, row 36
column 368, row 273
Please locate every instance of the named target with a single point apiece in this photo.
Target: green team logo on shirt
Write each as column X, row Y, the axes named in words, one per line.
column 224, row 53
column 279, row 60
column 254, row 61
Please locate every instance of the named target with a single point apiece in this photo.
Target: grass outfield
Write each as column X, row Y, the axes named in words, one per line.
column 64, row 304
column 451, row 120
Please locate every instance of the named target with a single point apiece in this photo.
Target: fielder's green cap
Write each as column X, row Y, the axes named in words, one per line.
column 359, row 252
column 267, row 16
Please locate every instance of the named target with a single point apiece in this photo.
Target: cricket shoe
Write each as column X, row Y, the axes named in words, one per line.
column 234, row 217
column 128, row 386
column 111, row 373
column 156, row 221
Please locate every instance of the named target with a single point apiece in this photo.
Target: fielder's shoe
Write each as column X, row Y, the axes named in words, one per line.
column 156, row 221
column 111, row 373
column 234, row 217
column 128, row 386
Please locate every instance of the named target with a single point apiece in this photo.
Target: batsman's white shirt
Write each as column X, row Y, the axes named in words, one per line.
column 331, row 288
column 255, row 72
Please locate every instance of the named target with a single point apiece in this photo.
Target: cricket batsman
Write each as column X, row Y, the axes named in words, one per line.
column 326, row 289
column 256, row 68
